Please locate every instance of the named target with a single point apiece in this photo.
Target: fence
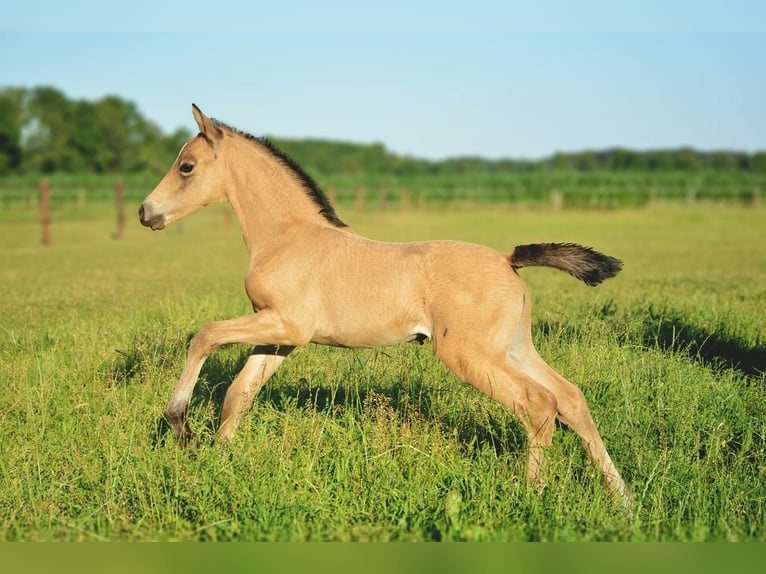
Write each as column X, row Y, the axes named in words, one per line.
column 72, row 197
column 384, row 198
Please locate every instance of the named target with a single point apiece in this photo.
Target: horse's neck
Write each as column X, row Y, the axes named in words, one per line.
column 268, row 198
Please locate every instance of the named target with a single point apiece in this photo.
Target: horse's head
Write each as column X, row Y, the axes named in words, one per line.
column 197, row 178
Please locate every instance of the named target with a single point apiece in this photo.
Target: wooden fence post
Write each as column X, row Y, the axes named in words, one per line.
column 119, row 200
column 359, row 199
column 382, row 198
column 557, row 199
column 45, row 211
column 404, row 198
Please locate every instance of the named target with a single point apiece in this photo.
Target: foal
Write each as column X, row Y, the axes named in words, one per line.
column 313, row 280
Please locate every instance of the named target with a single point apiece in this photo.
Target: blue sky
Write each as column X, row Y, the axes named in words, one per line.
column 431, row 79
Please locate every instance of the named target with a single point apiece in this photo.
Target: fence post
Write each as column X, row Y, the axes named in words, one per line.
column 557, row 199
column 119, row 189
column 756, row 197
column 359, row 199
column 45, row 211
column 331, row 195
column 382, row 198
column 404, row 198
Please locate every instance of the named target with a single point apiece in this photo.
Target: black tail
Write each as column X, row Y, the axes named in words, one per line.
column 584, row 263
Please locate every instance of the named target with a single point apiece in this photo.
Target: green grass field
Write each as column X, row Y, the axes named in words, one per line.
column 381, row 444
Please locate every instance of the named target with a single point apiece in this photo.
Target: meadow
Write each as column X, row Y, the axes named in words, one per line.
column 381, row 444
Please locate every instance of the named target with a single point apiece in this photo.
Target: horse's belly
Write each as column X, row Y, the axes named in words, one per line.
column 372, row 335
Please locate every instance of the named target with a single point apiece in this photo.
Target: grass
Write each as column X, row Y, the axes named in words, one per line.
column 382, row 444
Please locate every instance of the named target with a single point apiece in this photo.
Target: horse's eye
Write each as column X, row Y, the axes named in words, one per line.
column 187, row 167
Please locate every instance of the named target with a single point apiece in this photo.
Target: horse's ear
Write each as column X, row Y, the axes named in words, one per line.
column 206, row 126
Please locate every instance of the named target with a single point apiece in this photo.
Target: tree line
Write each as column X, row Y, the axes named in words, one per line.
column 43, row 131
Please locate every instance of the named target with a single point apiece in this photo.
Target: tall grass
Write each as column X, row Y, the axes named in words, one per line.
column 382, row 444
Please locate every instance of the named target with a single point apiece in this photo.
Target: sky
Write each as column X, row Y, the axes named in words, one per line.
column 432, row 79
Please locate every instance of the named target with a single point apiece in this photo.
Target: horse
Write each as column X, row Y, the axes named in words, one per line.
column 312, row 279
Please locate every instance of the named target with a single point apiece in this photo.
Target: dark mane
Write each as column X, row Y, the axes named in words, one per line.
column 311, row 188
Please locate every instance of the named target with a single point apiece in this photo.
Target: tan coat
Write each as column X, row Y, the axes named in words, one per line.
column 312, row 279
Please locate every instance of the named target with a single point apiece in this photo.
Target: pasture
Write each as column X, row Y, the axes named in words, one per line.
column 381, row 444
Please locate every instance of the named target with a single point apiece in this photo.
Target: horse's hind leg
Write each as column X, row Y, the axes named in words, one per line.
column 532, row 403
column 261, row 364
column 573, row 411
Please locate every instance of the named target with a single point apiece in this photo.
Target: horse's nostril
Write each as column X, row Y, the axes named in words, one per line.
column 150, row 218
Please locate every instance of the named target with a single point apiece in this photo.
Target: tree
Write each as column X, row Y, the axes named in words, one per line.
column 659, row 160
column 560, row 162
column 10, row 130
column 585, row 161
column 46, row 134
column 42, row 131
column 758, row 162
column 625, row 159
column 686, row 160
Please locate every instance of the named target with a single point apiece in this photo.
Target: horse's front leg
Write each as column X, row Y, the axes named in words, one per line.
column 263, row 362
column 263, row 328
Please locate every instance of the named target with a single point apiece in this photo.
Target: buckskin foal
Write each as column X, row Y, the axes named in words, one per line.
column 313, row 280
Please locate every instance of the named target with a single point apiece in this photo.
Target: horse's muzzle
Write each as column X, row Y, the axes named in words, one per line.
column 155, row 221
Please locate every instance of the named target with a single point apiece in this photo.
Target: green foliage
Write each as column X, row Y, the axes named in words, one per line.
column 758, row 162
column 10, row 132
column 43, row 131
column 336, row 158
column 381, row 444
column 575, row 189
